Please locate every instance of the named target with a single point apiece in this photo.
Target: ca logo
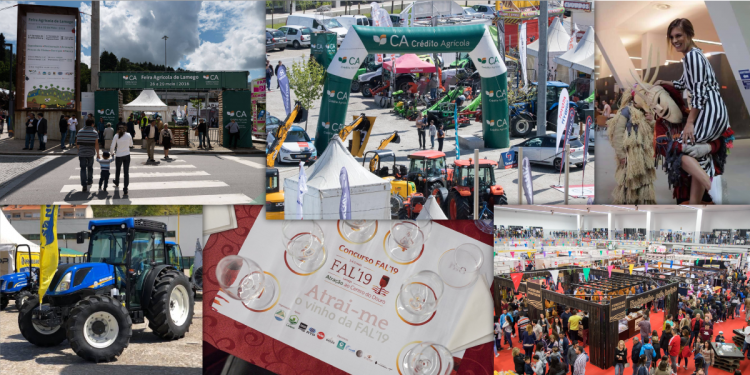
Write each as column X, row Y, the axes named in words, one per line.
column 491, row 122
column 482, row 60
column 332, row 93
column 380, row 39
column 353, row 61
column 490, row 93
column 326, row 125
column 230, row 113
column 101, row 111
column 342, row 59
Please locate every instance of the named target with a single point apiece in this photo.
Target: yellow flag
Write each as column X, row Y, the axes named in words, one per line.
column 49, row 254
column 630, row 267
column 711, row 260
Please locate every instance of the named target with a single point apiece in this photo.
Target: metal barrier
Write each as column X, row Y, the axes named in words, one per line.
column 213, row 136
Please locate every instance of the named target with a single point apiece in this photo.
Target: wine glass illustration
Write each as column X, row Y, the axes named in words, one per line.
column 427, row 358
column 243, row 279
column 419, row 296
column 459, row 267
column 358, row 231
column 383, row 283
column 406, row 239
column 303, row 241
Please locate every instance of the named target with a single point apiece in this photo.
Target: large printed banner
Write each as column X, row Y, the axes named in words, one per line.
column 173, row 80
column 346, row 311
column 50, row 61
column 361, row 40
column 237, row 106
column 107, row 106
column 259, row 106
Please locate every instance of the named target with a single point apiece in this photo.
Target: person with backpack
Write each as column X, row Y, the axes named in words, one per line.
column 648, row 350
column 636, row 353
column 641, row 368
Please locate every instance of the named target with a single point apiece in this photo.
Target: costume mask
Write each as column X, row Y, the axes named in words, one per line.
column 654, row 98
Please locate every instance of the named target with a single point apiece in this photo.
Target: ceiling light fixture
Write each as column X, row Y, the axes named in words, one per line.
column 662, row 6
column 706, row 42
column 638, row 58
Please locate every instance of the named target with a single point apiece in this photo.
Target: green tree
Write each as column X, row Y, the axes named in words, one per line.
column 198, row 104
column 306, row 80
column 139, row 211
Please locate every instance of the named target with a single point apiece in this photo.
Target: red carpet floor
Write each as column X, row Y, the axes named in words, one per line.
column 504, row 361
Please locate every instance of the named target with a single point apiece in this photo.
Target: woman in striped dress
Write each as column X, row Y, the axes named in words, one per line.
column 708, row 118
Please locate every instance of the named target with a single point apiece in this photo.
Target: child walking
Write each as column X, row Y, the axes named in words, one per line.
column 104, row 164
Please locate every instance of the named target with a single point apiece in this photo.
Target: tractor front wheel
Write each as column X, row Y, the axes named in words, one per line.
column 99, row 328
column 21, row 298
column 171, row 310
column 37, row 334
column 403, row 214
column 3, row 302
column 458, row 206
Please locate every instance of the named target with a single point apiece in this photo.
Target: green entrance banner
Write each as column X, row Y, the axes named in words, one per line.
column 495, row 112
column 174, row 80
column 323, row 47
column 419, row 40
column 237, row 106
column 107, row 106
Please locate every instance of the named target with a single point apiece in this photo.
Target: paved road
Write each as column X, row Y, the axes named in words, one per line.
column 188, row 179
column 543, row 176
column 146, row 354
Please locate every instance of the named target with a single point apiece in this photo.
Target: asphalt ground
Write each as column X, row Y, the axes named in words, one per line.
column 543, row 176
column 146, row 354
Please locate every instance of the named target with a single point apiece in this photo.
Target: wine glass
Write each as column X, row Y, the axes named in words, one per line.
column 243, row 279
column 358, row 231
column 419, row 296
column 427, row 358
column 406, row 239
column 460, row 267
column 303, row 241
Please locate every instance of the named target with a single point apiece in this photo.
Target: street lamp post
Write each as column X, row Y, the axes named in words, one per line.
column 165, row 51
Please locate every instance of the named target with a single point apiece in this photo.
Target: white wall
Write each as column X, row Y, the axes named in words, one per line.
column 684, row 221
column 594, row 221
column 531, row 219
column 725, row 220
column 620, row 222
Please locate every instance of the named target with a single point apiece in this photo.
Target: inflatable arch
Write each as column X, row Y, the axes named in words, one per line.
column 363, row 40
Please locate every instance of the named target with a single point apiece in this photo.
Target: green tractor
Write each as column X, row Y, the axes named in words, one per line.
column 129, row 276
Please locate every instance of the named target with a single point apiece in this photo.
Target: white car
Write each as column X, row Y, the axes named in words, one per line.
column 486, row 11
column 319, row 23
column 469, row 12
column 297, row 147
column 297, row 36
column 541, row 150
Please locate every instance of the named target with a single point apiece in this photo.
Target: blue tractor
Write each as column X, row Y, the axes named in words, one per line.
column 21, row 285
column 126, row 279
column 523, row 117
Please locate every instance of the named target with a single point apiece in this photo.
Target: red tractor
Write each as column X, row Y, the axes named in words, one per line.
column 458, row 204
column 427, row 176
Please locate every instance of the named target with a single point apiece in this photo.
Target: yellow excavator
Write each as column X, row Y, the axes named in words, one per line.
column 360, row 130
column 298, row 114
column 375, row 161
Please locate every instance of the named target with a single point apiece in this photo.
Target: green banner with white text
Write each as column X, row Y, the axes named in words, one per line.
column 107, row 106
column 333, row 109
column 323, row 47
column 237, row 106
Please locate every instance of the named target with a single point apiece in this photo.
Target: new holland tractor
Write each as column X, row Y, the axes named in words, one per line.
column 126, row 279
column 19, row 286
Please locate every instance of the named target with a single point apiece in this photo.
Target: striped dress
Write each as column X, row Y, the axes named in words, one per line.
column 698, row 77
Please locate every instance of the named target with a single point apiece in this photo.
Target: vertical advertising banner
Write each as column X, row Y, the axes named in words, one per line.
column 534, row 292
column 323, row 47
column 107, row 107
column 50, row 61
column 258, row 99
column 237, row 107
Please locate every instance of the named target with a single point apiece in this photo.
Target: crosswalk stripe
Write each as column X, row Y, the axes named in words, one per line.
column 150, row 174
column 139, row 166
column 201, row 199
column 160, row 185
column 249, row 163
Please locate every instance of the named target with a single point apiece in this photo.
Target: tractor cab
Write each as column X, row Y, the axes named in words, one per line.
column 274, row 196
column 128, row 276
column 458, row 204
column 463, row 173
column 378, row 164
column 427, row 170
column 22, row 284
column 174, row 254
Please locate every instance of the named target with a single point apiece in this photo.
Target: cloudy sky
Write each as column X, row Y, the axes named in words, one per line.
column 208, row 35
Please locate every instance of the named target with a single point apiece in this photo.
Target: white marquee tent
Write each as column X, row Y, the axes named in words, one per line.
column 370, row 195
column 147, row 101
column 557, row 44
column 9, row 239
column 580, row 58
column 431, row 210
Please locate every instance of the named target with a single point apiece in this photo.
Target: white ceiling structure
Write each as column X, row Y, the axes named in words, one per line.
column 633, row 19
column 584, row 210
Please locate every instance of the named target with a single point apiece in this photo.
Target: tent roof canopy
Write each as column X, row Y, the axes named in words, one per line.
column 557, row 39
column 409, row 63
column 580, row 58
column 146, row 101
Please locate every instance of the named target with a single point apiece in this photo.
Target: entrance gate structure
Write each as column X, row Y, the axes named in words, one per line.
column 361, row 41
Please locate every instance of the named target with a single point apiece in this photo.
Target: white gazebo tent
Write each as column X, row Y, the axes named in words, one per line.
column 147, row 101
column 431, row 210
column 9, row 239
column 370, row 194
column 557, row 44
column 580, row 58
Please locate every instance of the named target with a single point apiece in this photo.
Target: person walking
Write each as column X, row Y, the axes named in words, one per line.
column 518, row 361
column 87, row 141
column 433, row 131
column 507, row 330
column 421, row 127
column 41, row 131
column 708, row 355
column 635, row 355
column 585, row 328
column 276, row 70
column 234, row 133
column 72, row 129
column 109, row 133
column 166, row 140
column 63, row 125
column 645, row 326
column 142, row 124
column 130, row 129
column 104, row 164
column 433, row 86
column 440, row 137
column 673, row 349
column 100, row 126
column 269, row 75
column 203, row 134
column 573, row 327
column 580, row 363
column 151, row 133
column 120, row 148
column 621, row 358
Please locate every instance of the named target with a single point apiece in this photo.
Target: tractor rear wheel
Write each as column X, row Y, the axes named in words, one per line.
column 3, row 302
column 431, row 188
column 403, row 214
column 37, row 334
column 21, row 298
column 171, row 310
column 396, row 203
column 99, row 328
column 458, row 206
